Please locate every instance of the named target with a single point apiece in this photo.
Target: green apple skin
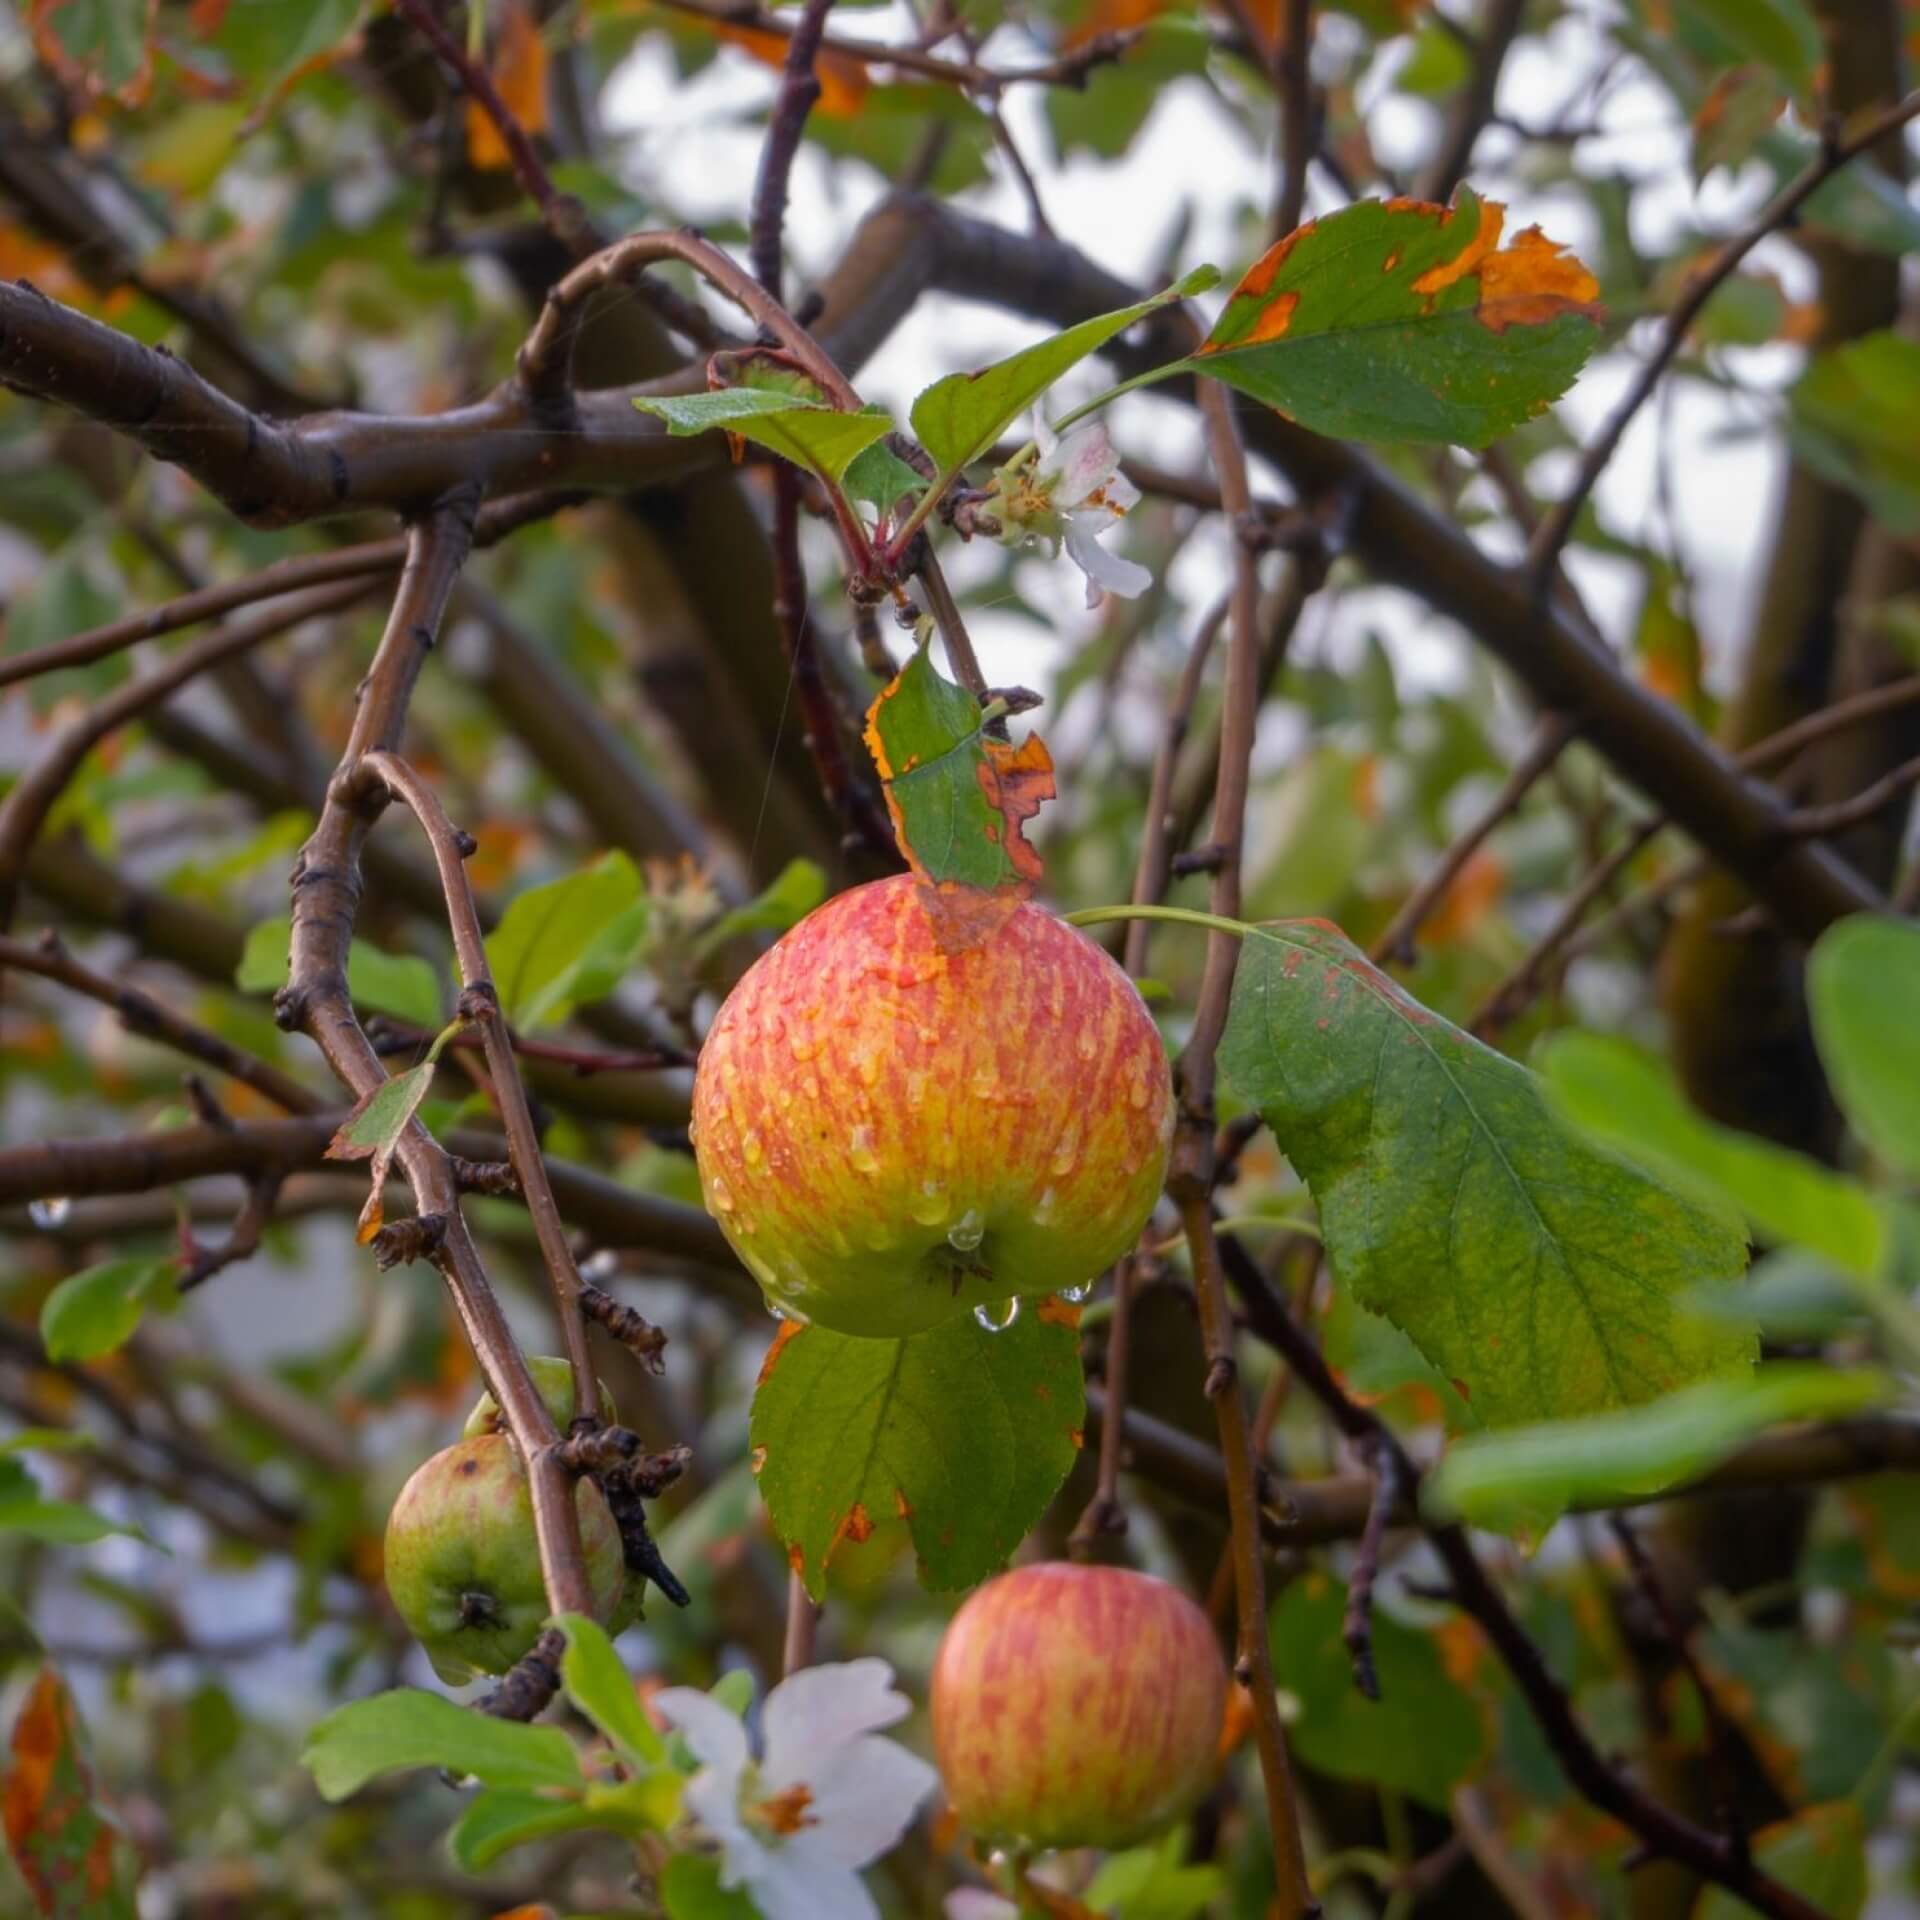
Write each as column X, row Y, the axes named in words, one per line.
column 921, row 1102
column 1077, row 1707
column 463, row 1563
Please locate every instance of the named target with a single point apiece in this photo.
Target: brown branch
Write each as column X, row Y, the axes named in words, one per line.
column 480, row 1003
column 28, row 802
column 1190, row 1175
column 1293, row 81
column 803, row 1627
column 153, row 1019
column 1069, row 70
column 1662, row 1832
column 614, row 1215
column 1839, row 814
column 1836, row 151
column 243, row 1237
column 544, row 362
column 1356, row 1627
column 368, row 562
column 1549, row 739
column 1472, row 104
column 326, row 889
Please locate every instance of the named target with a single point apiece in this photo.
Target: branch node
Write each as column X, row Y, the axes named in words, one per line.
column 402, row 1242
column 528, row 1688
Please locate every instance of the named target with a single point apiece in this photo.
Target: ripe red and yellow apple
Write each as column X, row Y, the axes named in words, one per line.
column 917, row 1104
column 1077, row 1707
column 463, row 1562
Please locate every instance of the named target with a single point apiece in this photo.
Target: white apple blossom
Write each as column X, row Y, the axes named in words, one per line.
column 826, row 1798
column 1071, row 492
column 976, row 1903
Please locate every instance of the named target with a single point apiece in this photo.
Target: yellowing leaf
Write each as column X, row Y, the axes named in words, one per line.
column 959, row 799
column 1401, row 320
column 519, row 69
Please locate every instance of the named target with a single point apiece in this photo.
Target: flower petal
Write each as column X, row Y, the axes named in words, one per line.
column 716, row 1736
column 714, row 1800
column 976, row 1903
column 1108, row 572
column 1122, row 495
column 823, row 1707
column 865, row 1795
column 1086, row 462
column 1044, row 437
column 804, row 1883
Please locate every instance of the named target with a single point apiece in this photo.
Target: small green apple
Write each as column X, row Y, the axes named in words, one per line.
column 463, row 1564
column 1077, row 1707
column 553, row 1381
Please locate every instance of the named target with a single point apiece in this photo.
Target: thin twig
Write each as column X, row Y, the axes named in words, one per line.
column 1356, row 1627
column 326, row 889
column 803, row 1627
column 1549, row 739
column 480, row 1002
column 1293, row 79
column 27, row 803
column 153, row 1019
column 1836, row 151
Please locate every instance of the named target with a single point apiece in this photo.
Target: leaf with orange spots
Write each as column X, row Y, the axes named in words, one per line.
column 518, row 65
column 76, row 1863
column 844, row 80
column 1403, row 321
column 100, row 48
column 1821, row 1853
column 1537, row 1271
column 963, row 1433
column 959, row 798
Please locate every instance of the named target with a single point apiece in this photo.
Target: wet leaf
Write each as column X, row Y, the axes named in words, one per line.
column 407, row 1728
column 1538, row 1272
column 959, row 799
column 599, row 1684
column 963, row 1433
column 75, row 1861
column 1400, row 320
column 372, row 1132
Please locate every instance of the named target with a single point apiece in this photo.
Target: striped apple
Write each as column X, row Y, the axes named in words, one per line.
column 921, row 1102
column 1077, row 1707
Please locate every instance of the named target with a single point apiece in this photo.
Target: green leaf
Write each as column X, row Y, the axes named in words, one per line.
column 265, row 41
column 690, row 1889
column 964, row 1433
column 959, row 799
column 401, row 984
column 1863, row 986
column 806, row 431
column 105, row 39
column 94, row 1312
column 1632, row 1102
column 372, row 1132
column 599, row 1684
column 1821, row 1853
column 1537, row 1272
column 957, row 419
column 570, row 939
column 1528, row 1476
column 46, row 1440
column 1855, row 419
column 880, row 478
column 792, row 895
column 1398, row 320
column 1155, row 1883
column 498, row 1819
column 1780, row 34
column 1423, row 1737
column 408, row 1728
column 60, row 1523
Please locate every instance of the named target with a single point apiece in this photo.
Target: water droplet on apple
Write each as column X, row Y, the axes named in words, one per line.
column 50, row 1212
column 930, row 1205
column 860, row 1151
column 1086, row 1044
column 879, row 1239
column 800, row 1041
column 751, row 1150
column 1044, row 1206
column 916, row 1088
column 867, row 1064
column 1137, row 1093
column 1074, row 1295
column 966, row 1233
column 998, row 1317
column 1066, row 1156
column 718, row 1194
